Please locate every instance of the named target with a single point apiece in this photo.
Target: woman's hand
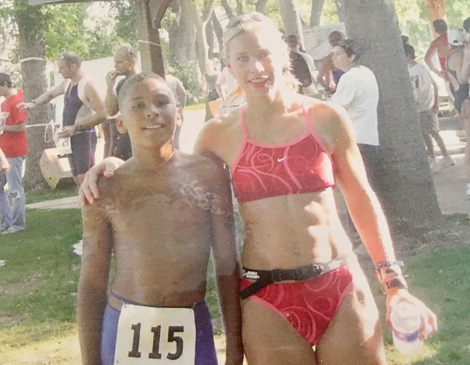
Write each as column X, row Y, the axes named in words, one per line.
column 89, row 189
column 428, row 318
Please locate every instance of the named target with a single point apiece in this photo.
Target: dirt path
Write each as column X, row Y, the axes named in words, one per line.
column 63, row 351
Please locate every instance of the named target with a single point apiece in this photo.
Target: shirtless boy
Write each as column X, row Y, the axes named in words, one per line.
column 161, row 214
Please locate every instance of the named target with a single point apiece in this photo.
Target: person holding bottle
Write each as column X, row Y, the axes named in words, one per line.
column 302, row 284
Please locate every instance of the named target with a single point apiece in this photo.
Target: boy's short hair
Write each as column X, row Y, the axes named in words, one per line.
column 5, row 79
column 440, row 26
column 133, row 80
column 409, row 51
column 71, row 58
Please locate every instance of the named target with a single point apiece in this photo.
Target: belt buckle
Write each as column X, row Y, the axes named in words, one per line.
column 307, row 272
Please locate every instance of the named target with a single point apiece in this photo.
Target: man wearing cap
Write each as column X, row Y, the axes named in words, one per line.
column 13, row 145
column 458, row 84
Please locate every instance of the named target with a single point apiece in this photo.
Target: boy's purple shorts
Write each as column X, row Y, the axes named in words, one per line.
column 205, row 347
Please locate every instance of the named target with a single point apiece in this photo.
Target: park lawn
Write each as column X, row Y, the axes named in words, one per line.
column 50, row 194
column 39, row 282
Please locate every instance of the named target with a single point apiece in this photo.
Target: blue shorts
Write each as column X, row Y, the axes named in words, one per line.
column 83, row 145
column 205, row 347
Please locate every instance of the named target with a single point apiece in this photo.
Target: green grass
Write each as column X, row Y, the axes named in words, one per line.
column 441, row 280
column 41, row 259
column 193, row 107
column 49, row 194
column 40, row 256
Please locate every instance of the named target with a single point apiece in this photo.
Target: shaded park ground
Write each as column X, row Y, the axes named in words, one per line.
column 39, row 281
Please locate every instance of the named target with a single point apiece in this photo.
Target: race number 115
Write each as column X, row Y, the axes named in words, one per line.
column 155, row 354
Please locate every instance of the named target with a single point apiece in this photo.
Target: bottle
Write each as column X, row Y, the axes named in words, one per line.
column 406, row 323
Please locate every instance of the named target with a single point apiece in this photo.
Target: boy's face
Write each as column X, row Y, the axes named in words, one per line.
column 149, row 113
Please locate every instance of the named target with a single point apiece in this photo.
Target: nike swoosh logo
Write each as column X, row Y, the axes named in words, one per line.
column 281, row 159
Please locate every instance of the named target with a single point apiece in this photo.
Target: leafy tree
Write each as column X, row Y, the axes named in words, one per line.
column 30, row 22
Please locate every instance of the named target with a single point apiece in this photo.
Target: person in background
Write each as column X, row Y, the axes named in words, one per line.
column 459, row 86
column 426, row 95
column 439, row 46
column 358, row 93
column 209, row 80
column 328, row 72
column 83, row 110
column 180, row 94
column 125, row 64
column 13, row 145
column 226, row 84
column 302, row 66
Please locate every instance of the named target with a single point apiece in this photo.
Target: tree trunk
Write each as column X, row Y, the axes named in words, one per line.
column 241, row 5
column 315, row 15
column 33, row 70
column 182, row 34
column 219, row 34
column 340, row 10
column 406, row 186
column 210, row 39
column 228, row 9
column 291, row 18
column 201, row 21
column 261, row 6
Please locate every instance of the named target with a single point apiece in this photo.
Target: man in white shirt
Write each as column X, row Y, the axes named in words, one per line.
column 425, row 91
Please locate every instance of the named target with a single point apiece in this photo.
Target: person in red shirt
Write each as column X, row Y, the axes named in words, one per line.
column 13, row 145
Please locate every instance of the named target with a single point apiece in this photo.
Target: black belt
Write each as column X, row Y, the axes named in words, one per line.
column 266, row 277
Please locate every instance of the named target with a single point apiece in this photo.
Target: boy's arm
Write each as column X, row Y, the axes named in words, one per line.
column 93, row 283
column 226, row 265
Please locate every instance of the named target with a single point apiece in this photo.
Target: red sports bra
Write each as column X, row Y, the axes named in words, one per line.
column 265, row 170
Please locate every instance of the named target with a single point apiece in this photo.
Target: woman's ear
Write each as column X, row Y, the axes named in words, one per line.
column 120, row 125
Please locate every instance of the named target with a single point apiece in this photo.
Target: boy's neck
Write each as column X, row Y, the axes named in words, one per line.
column 150, row 158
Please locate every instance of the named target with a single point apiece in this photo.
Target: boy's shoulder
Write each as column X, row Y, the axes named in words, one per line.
column 202, row 167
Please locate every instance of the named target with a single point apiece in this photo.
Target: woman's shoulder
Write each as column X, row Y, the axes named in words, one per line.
column 218, row 132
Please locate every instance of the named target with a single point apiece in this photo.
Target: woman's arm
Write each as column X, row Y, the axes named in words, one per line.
column 362, row 203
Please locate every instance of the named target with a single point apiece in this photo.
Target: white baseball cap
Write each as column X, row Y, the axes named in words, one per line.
column 456, row 37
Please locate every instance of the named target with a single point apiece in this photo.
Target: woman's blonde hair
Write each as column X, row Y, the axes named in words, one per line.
column 253, row 22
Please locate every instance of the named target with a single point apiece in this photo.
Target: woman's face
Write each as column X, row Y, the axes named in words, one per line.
column 256, row 62
column 341, row 59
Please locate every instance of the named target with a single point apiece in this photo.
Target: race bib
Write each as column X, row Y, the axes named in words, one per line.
column 155, row 336
column 62, row 144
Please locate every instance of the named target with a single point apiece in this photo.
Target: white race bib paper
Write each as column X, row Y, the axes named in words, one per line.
column 155, row 336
